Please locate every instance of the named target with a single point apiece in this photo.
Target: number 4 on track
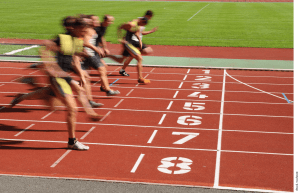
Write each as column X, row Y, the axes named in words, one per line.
column 186, row 138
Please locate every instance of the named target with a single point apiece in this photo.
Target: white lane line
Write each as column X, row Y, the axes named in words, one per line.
column 184, row 77
column 170, row 104
column 162, row 119
column 254, row 87
column 138, row 126
column 84, row 136
column 197, row 12
column 137, row 163
column 152, row 136
column 2, row 84
column 175, row 94
column 152, row 147
column 34, row 72
column 20, row 50
column 24, row 130
column 188, row 71
column 105, row 116
column 152, row 70
column 180, row 85
column 119, row 103
column 218, row 159
column 47, row 115
column 161, row 111
column 129, row 92
column 61, row 158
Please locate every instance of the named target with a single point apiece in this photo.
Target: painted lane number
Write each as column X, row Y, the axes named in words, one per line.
column 168, row 166
column 182, row 120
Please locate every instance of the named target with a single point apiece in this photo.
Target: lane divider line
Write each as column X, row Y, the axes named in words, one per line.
column 61, row 158
column 114, row 82
column 152, row 136
column 152, row 70
column 180, row 85
column 137, row 163
column 118, row 103
column 188, row 71
column 24, row 130
column 129, row 92
column 184, row 77
column 286, row 98
column 175, row 94
column 218, row 157
column 170, row 104
column 162, row 119
column 84, row 136
column 20, row 50
column 105, row 116
column 47, row 115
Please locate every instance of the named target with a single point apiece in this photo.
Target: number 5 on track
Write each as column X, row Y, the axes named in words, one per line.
column 186, row 138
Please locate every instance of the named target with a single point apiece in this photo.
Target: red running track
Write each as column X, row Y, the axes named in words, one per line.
column 167, row 132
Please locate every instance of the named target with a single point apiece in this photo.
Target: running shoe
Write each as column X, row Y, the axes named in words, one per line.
column 95, row 105
column 112, row 92
column 143, row 81
column 123, row 73
column 78, row 146
column 103, row 89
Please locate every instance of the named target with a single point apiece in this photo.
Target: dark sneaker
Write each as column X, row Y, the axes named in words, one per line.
column 112, row 92
column 95, row 105
column 123, row 73
column 103, row 89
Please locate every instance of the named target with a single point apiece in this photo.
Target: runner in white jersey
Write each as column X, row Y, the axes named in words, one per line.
column 135, row 42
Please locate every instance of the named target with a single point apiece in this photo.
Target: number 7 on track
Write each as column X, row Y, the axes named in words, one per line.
column 186, row 138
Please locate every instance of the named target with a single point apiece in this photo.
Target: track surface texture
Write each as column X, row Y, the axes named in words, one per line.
column 223, row 129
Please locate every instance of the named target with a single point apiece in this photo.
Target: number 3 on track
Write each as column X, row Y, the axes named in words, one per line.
column 166, row 164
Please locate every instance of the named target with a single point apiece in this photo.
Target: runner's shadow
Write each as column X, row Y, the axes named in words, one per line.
column 4, row 127
column 19, row 110
column 9, row 144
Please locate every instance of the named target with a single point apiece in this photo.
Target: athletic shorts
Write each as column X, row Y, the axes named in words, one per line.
column 62, row 85
column 137, row 45
column 93, row 61
column 129, row 48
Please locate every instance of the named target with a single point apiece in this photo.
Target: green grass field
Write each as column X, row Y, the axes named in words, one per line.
column 267, row 25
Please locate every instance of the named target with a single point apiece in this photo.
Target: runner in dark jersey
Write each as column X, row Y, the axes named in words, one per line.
column 146, row 50
column 132, row 28
column 94, row 36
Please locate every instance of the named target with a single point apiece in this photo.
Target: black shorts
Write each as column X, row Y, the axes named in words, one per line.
column 93, row 61
column 130, row 48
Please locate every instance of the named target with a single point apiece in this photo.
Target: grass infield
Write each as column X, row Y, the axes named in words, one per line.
column 268, row 25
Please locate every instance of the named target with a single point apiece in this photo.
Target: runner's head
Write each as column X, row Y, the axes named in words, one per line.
column 80, row 28
column 95, row 22
column 68, row 23
column 107, row 20
column 148, row 14
column 142, row 21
